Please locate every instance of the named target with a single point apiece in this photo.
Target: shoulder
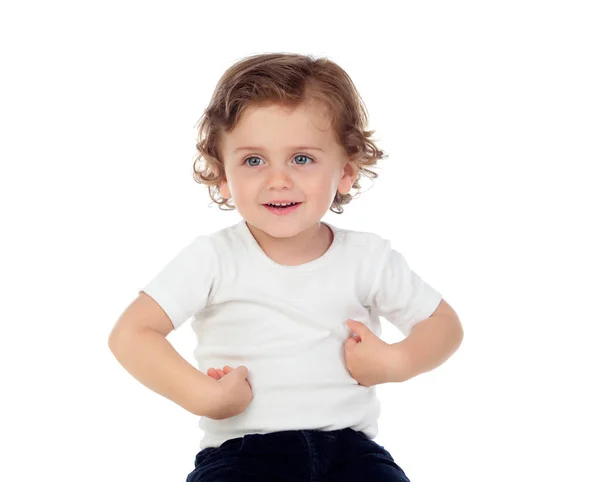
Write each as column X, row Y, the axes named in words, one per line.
column 208, row 246
column 363, row 241
column 225, row 240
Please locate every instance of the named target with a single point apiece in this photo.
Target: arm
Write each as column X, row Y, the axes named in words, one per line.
column 430, row 343
column 151, row 359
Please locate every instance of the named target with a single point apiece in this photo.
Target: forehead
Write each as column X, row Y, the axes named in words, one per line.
column 275, row 125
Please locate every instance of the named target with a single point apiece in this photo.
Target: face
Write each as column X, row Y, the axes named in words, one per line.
column 277, row 154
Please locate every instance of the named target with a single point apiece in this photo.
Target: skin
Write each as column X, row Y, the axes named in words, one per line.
column 278, row 170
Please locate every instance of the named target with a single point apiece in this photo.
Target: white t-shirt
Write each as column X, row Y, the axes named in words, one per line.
column 287, row 324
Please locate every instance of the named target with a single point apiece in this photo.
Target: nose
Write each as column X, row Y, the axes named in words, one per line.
column 279, row 178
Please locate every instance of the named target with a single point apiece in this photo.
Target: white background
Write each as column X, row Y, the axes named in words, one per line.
column 489, row 112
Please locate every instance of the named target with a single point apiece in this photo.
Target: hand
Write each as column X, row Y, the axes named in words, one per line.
column 236, row 391
column 368, row 358
column 217, row 373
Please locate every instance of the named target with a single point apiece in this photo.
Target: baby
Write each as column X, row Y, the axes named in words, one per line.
column 285, row 307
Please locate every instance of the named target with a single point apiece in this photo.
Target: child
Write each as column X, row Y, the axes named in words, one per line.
column 284, row 140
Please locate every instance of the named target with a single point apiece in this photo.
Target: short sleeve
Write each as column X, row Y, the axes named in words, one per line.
column 399, row 294
column 184, row 285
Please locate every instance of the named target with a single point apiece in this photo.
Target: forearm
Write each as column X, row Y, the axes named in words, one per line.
column 151, row 359
column 430, row 343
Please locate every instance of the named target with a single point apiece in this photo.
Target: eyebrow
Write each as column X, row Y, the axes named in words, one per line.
column 291, row 148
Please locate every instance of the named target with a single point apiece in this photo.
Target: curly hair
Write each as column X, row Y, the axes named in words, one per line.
column 289, row 80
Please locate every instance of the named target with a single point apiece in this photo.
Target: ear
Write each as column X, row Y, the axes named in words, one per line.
column 349, row 175
column 224, row 189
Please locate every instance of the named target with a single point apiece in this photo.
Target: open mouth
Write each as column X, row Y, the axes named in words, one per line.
column 281, row 206
column 284, row 208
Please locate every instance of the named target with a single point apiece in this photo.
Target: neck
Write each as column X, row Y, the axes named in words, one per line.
column 306, row 246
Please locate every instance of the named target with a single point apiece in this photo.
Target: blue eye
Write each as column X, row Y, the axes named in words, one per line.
column 309, row 160
column 306, row 157
column 252, row 157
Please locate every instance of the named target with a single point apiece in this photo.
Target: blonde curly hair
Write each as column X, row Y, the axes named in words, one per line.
column 288, row 80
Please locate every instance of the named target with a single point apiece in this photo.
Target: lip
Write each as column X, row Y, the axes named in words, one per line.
column 281, row 202
column 284, row 211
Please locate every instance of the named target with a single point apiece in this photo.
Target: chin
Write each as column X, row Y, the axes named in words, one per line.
column 281, row 231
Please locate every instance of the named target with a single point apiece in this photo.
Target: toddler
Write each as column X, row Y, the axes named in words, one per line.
column 285, row 307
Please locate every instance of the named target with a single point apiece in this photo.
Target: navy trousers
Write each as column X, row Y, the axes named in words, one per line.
column 297, row 456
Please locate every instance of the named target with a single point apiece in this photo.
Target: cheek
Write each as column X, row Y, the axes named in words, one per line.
column 322, row 188
column 328, row 182
column 242, row 186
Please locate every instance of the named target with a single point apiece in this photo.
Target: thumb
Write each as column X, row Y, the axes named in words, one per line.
column 242, row 371
column 359, row 328
column 350, row 342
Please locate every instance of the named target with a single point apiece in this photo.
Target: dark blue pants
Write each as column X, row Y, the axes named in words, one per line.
column 297, row 456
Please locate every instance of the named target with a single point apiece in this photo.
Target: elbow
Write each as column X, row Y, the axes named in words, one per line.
column 459, row 334
column 112, row 344
column 113, row 338
column 116, row 340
